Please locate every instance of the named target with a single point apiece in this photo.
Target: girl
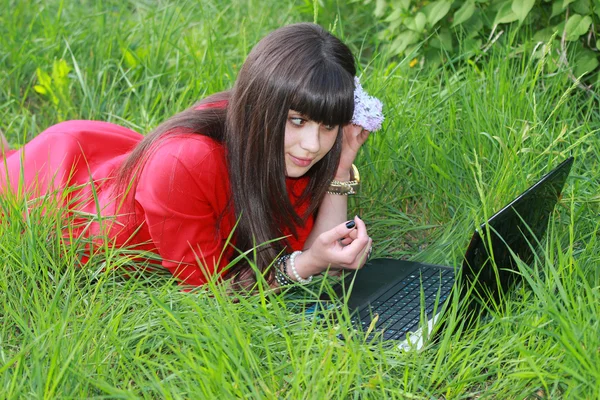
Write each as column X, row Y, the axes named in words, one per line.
column 267, row 165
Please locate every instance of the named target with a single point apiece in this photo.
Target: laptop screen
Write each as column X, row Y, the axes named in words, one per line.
column 514, row 230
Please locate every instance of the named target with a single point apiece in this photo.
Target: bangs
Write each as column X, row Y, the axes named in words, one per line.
column 326, row 95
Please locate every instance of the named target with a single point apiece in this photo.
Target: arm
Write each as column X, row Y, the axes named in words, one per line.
column 334, row 208
column 333, row 212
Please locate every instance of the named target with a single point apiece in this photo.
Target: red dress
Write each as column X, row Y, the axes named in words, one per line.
column 178, row 208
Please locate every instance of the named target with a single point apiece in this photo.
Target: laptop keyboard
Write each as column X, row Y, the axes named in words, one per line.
column 398, row 310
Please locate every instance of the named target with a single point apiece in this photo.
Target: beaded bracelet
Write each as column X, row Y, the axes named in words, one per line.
column 282, row 279
column 294, row 272
column 280, row 275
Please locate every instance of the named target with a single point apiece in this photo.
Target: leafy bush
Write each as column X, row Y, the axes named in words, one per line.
column 432, row 30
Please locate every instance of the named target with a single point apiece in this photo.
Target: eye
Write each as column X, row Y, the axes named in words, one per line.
column 297, row 121
column 329, row 127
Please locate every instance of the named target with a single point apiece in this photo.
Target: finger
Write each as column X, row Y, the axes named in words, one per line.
column 363, row 136
column 353, row 234
column 365, row 255
column 340, row 231
column 361, row 228
column 359, row 258
column 356, row 134
column 359, row 234
column 354, row 129
column 346, row 241
column 354, row 249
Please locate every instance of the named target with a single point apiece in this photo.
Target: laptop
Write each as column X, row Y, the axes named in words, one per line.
column 397, row 299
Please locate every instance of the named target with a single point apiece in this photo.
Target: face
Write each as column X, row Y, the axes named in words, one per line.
column 306, row 142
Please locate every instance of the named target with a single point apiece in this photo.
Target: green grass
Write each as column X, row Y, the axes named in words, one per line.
column 458, row 144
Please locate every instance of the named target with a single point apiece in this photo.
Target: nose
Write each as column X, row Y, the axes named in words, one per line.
column 310, row 138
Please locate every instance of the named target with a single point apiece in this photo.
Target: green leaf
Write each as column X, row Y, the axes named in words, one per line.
column 464, row 13
column 471, row 45
column 380, row 6
column 586, row 62
column 393, row 27
column 390, row 68
column 473, row 25
column 43, row 77
column 551, row 64
column 521, row 8
column 582, row 7
column 433, row 58
column 403, row 40
column 544, row 35
column 437, row 10
column 505, row 14
column 129, row 58
column 62, row 68
column 412, row 50
column 417, row 23
column 395, row 15
column 577, row 26
column 40, row 89
column 404, row 4
column 442, row 41
column 557, row 8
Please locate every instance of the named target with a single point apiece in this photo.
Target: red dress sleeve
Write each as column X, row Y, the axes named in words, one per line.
column 183, row 190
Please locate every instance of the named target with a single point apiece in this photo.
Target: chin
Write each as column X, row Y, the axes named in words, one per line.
column 295, row 175
column 296, row 172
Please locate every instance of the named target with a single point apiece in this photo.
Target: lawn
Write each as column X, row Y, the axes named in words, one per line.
column 459, row 142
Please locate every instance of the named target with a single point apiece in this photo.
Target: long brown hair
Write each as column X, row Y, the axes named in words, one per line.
column 300, row 67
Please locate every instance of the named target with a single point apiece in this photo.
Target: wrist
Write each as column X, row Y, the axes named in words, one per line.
column 305, row 265
column 343, row 174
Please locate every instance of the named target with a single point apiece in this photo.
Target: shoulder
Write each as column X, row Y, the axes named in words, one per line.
column 183, row 171
column 189, row 150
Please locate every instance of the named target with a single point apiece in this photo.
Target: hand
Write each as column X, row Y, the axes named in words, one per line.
column 341, row 246
column 354, row 136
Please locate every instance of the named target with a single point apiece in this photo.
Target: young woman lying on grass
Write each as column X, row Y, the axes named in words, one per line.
column 273, row 155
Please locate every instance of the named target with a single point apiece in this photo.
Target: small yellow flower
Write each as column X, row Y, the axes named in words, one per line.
column 413, row 62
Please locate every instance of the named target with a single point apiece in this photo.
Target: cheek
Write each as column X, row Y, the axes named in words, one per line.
column 289, row 138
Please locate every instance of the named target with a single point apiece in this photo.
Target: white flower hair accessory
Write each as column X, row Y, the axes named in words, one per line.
column 367, row 109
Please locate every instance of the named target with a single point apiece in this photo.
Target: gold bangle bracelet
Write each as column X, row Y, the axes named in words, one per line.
column 346, row 188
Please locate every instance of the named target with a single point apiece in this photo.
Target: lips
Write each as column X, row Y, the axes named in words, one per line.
column 300, row 161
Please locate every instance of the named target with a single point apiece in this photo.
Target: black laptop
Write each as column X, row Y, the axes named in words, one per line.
column 389, row 297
